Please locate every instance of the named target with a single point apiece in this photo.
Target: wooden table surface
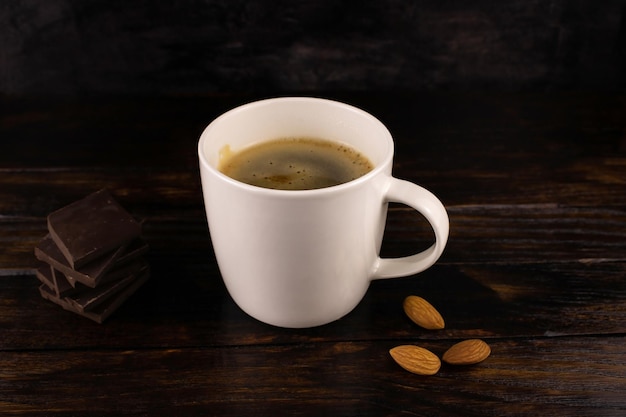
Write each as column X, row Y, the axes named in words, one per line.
column 535, row 187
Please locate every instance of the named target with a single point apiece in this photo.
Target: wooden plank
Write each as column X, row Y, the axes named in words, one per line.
column 494, row 234
column 573, row 181
column 185, row 304
column 556, row 375
column 512, row 234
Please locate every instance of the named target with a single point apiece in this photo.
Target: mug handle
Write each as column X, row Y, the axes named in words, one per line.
column 425, row 202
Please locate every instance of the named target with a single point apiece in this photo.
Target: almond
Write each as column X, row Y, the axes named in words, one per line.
column 416, row 359
column 422, row 313
column 467, row 352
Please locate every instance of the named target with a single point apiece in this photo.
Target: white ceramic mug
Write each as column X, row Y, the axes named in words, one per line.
column 305, row 258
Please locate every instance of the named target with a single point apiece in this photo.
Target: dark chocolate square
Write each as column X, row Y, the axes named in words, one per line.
column 62, row 285
column 44, row 274
column 56, row 281
column 105, row 309
column 89, row 228
column 94, row 272
column 89, row 300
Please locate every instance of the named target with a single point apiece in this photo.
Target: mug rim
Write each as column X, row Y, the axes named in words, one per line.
column 386, row 160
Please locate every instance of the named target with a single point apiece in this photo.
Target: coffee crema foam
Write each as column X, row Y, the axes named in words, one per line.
column 294, row 164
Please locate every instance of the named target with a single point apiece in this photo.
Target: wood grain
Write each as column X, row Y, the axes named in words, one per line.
column 559, row 375
column 536, row 193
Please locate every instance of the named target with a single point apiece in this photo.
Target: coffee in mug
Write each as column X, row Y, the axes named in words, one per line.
column 295, row 164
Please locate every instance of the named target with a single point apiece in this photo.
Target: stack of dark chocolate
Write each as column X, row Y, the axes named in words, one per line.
column 92, row 258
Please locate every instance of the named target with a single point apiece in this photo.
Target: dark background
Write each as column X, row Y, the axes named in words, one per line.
column 197, row 47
